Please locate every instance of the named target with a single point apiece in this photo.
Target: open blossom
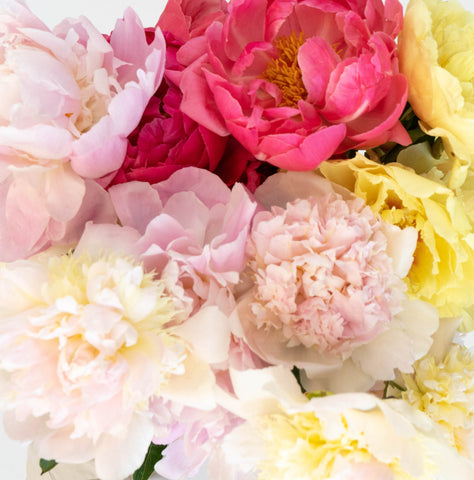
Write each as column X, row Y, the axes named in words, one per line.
column 69, row 100
column 108, row 336
column 194, row 229
column 167, row 139
column 443, row 269
column 444, row 390
column 344, row 436
column 436, row 53
column 296, row 81
column 327, row 292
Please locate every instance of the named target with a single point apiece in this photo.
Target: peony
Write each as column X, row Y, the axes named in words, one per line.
column 166, row 139
column 193, row 440
column 70, row 98
column 344, row 436
column 444, row 390
column 297, row 82
column 436, row 50
column 442, row 272
column 193, row 229
column 53, row 202
column 327, row 293
column 113, row 335
column 107, row 337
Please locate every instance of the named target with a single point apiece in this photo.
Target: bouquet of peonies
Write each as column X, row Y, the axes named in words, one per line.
column 242, row 240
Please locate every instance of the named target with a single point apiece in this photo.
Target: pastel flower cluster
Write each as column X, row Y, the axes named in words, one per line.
column 240, row 240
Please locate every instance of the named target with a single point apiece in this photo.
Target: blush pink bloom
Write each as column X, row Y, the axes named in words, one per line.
column 193, row 230
column 327, row 285
column 166, row 139
column 193, row 438
column 299, row 81
column 69, row 100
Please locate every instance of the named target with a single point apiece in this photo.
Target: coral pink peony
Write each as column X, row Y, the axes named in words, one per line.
column 70, row 98
column 301, row 80
column 328, row 283
column 166, row 139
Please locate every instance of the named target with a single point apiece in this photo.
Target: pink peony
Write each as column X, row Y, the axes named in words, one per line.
column 327, row 284
column 70, row 98
column 193, row 439
column 299, row 81
column 166, row 139
column 193, row 230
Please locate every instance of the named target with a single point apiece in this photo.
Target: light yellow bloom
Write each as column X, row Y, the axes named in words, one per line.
column 443, row 269
column 285, row 436
column 445, row 392
column 300, row 446
column 436, row 53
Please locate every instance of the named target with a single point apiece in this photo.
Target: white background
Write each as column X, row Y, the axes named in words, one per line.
column 103, row 14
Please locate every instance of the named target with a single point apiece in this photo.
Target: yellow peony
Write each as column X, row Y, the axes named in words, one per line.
column 436, row 53
column 443, row 269
column 445, row 392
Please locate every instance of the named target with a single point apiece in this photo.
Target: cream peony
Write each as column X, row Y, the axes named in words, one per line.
column 343, row 436
column 444, row 390
column 107, row 337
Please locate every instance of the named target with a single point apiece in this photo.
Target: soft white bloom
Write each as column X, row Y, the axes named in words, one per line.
column 87, row 340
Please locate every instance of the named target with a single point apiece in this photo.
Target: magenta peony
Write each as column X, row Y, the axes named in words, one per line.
column 69, row 100
column 167, row 139
column 301, row 80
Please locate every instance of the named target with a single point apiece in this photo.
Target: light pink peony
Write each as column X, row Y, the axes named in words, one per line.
column 327, row 284
column 193, row 438
column 193, row 230
column 69, row 100
column 301, row 80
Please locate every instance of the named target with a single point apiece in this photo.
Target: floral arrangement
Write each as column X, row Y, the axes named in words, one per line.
column 241, row 240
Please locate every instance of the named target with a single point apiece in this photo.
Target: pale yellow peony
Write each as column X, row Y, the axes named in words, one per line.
column 445, row 392
column 443, row 269
column 436, row 53
column 285, row 436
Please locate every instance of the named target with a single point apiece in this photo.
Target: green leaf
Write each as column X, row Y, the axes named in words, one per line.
column 152, row 456
column 47, row 465
column 297, row 375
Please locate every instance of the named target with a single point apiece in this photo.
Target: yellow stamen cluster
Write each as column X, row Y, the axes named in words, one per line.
column 284, row 71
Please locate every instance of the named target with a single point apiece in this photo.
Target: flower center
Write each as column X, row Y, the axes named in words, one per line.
column 284, row 71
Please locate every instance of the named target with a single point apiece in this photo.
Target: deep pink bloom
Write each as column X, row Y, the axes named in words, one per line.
column 167, row 139
column 299, row 81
